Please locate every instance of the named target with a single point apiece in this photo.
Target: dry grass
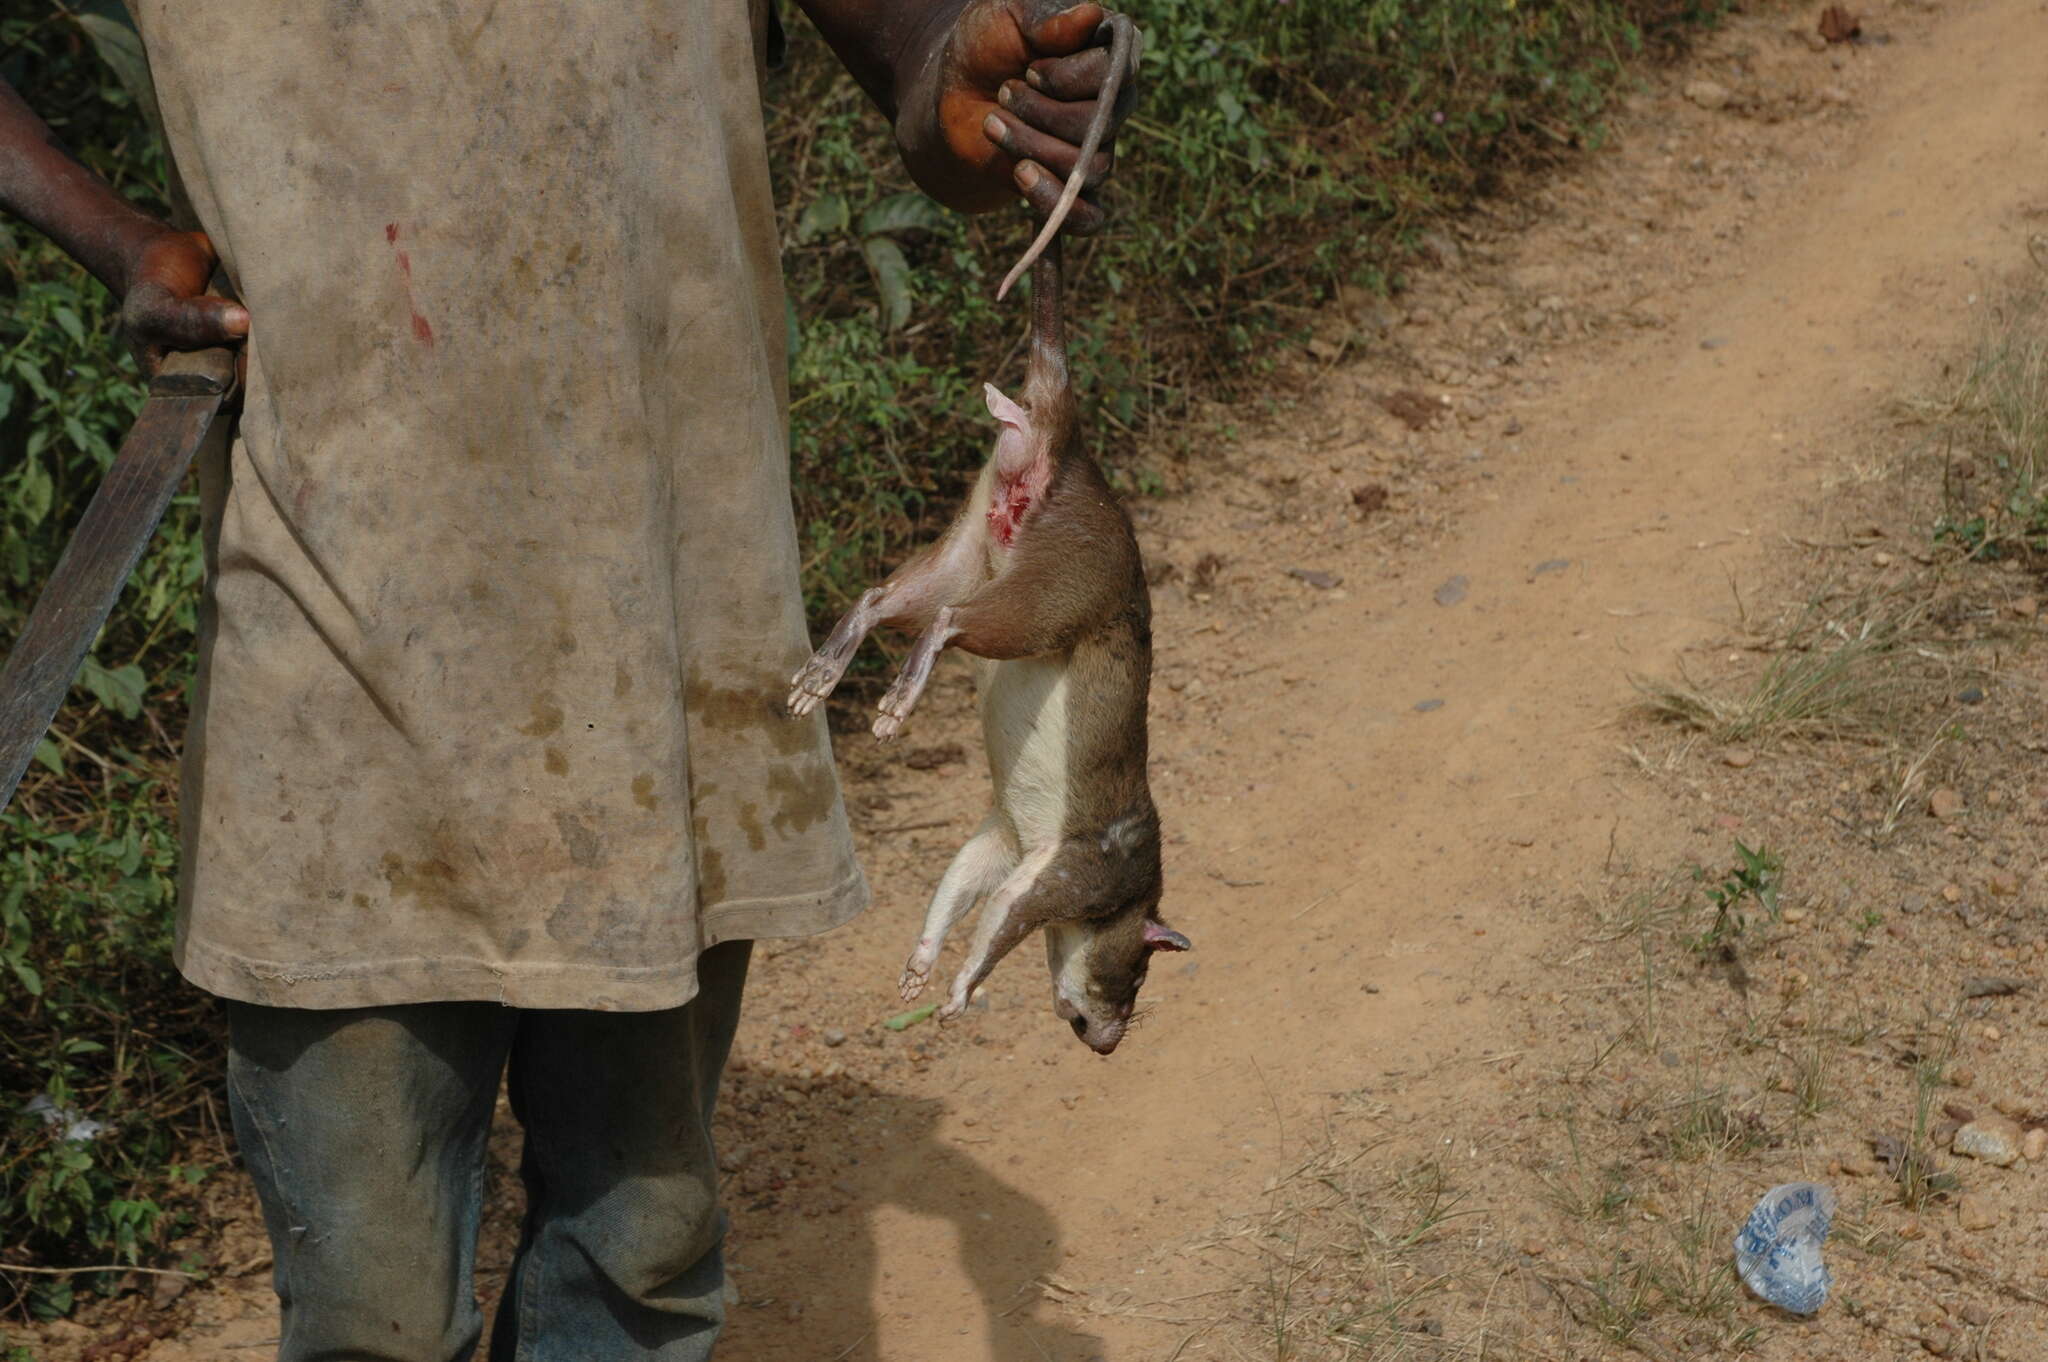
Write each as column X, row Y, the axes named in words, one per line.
column 1846, row 666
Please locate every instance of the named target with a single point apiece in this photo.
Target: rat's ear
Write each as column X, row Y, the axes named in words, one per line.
column 1013, row 445
column 1003, row 409
column 1160, row 937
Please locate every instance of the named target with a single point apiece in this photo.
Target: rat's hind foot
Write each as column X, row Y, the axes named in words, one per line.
column 917, row 669
column 816, row 678
column 901, row 699
column 814, row 682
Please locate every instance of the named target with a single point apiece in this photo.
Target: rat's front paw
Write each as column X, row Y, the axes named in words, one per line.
column 917, row 971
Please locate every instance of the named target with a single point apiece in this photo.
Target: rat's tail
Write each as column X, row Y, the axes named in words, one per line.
column 1047, row 374
column 1123, row 42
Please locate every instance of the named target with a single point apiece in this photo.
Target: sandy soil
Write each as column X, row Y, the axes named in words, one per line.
column 1392, row 667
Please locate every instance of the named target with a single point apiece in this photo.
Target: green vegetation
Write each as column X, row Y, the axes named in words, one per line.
column 1285, row 149
column 1997, row 423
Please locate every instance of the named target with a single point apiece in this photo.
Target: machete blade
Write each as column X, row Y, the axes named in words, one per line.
column 184, row 397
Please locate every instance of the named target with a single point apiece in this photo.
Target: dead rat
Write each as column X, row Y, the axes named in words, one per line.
column 1039, row 578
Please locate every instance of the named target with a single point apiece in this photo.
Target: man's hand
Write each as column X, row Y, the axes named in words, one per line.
column 165, row 305
column 1006, row 100
column 158, row 273
column 991, row 98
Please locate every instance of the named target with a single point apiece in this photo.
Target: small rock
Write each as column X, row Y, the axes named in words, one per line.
column 1833, row 94
column 1838, row 25
column 1975, row 1315
column 1708, row 94
column 1713, row 342
column 1795, row 916
column 1976, row 1211
column 1453, row 591
column 1321, row 581
column 2034, row 1145
column 1533, row 1247
column 834, row 1037
column 2003, row 883
column 1550, row 565
column 2026, row 607
column 1912, row 903
column 1939, row 1339
column 1369, row 497
column 1944, row 804
column 1324, row 350
column 1952, row 893
column 1962, row 1076
column 166, row 1290
column 1738, row 757
column 1426, row 706
column 1991, row 1139
column 1971, row 695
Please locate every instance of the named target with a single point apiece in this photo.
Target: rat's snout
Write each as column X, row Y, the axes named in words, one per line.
column 1102, row 1038
column 1099, row 1036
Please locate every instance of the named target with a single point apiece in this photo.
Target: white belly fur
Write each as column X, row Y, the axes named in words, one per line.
column 1024, row 723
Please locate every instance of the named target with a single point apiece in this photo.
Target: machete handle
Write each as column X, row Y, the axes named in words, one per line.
column 213, row 372
column 195, row 373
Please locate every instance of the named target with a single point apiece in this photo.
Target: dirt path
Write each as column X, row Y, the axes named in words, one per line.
column 1645, row 365
column 1351, row 864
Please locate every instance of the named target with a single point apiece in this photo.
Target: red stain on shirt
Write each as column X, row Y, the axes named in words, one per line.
column 422, row 330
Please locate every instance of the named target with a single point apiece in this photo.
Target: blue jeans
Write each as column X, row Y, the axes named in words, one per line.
column 364, row 1130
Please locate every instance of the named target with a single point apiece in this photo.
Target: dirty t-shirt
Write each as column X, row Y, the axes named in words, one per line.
column 502, row 572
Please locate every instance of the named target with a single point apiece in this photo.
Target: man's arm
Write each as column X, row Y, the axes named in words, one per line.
column 157, row 272
column 990, row 98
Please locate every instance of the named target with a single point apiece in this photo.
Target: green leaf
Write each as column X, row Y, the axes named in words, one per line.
column 119, row 690
column 902, row 213
column 68, row 320
column 892, row 279
column 826, row 213
column 49, row 756
column 33, row 491
column 31, row 981
column 910, row 1018
column 114, row 37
